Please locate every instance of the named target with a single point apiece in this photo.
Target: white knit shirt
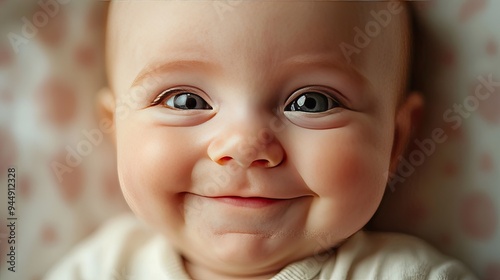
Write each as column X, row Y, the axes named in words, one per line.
column 126, row 249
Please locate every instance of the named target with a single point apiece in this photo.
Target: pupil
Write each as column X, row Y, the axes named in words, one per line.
column 190, row 103
column 310, row 103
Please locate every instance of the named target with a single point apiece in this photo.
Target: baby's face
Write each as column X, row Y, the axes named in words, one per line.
column 249, row 140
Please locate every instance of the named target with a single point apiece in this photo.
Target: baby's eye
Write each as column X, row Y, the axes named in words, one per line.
column 311, row 101
column 187, row 101
column 182, row 99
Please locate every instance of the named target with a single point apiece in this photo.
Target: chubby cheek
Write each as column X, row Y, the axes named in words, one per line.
column 154, row 165
column 346, row 170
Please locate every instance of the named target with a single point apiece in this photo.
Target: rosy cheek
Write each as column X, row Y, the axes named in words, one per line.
column 335, row 161
column 352, row 170
column 153, row 162
column 339, row 171
column 346, row 170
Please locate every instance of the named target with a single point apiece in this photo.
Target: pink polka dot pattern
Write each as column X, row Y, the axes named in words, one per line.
column 49, row 235
column 478, row 216
column 488, row 108
column 7, row 150
column 53, row 33
column 54, row 82
column 71, row 184
column 459, row 184
column 58, row 102
column 492, row 47
column 471, row 8
column 85, row 56
column 24, row 187
column 6, row 57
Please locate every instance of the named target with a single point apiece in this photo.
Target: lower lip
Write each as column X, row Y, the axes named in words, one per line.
column 250, row 202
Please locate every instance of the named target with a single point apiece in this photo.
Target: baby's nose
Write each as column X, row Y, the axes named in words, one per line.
column 247, row 147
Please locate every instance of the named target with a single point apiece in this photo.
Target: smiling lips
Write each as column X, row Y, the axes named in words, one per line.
column 250, row 202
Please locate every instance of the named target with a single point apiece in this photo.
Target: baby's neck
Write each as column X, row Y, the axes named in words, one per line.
column 199, row 272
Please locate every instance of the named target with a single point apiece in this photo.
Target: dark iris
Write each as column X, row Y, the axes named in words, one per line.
column 312, row 102
column 187, row 101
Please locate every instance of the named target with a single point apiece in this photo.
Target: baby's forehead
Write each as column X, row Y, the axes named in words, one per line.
column 356, row 33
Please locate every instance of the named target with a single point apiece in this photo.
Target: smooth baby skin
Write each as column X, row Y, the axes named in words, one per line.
column 251, row 141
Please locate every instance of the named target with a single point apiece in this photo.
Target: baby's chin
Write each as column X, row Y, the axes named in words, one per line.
column 243, row 256
column 240, row 255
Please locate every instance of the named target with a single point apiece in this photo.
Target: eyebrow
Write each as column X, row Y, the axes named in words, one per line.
column 198, row 63
column 348, row 75
column 173, row 65
column 326, row 60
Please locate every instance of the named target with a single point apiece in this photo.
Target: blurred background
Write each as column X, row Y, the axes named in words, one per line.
column 51, row 68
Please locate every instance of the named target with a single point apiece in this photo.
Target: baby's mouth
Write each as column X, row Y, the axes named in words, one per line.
column 250, row 202
column 253, row 216
column 240, row 201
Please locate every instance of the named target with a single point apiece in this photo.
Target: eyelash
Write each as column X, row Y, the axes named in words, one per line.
column 325, row 92
column 176, row 92
column 166, row 93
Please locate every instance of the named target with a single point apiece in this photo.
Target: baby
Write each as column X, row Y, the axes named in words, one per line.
column 254, row 141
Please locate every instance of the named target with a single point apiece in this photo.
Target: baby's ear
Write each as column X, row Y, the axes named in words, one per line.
column 106, row 111
column 408, row 118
